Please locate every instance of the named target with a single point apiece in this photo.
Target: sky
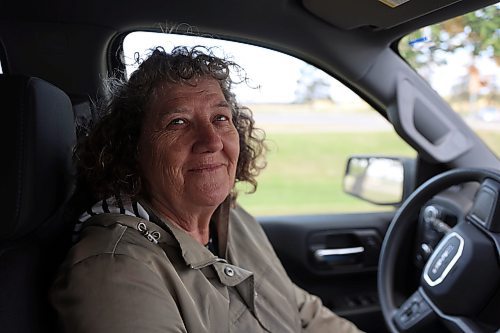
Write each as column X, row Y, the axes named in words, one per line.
column 273, row 75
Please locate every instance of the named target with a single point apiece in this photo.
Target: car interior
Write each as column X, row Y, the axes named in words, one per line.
column 430, row 263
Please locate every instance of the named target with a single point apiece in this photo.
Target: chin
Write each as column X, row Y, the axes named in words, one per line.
column 209, row 201
column 211, row 196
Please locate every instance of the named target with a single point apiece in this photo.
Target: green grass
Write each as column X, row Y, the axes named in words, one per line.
column 305, row 171
column 492, row 139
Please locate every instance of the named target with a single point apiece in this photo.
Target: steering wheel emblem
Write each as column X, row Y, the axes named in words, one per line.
column 444, row 259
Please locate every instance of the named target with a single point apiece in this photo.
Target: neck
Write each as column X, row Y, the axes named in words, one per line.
column 196, row 222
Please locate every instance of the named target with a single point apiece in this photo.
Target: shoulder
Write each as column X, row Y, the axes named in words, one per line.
column 242, row 221
column 110, row 274
column 247, row 232
column 114, row 235
column 239, row 215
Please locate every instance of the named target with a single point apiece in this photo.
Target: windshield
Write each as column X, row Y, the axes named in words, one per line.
column 460, row 58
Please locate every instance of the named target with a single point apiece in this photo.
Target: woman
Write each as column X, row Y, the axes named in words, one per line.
column 166, row 249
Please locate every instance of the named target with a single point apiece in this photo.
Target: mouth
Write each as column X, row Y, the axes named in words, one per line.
column 206, row 168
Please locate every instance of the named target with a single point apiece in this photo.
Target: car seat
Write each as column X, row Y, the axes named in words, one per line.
column 38, row 135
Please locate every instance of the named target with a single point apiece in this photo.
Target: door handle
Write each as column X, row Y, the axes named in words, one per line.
column 335, row 255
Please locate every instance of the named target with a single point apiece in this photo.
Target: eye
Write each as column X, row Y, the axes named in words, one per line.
column 221, row 117
column 177, row 122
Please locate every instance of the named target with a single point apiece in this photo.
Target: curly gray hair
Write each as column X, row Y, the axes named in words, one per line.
column 107, row 158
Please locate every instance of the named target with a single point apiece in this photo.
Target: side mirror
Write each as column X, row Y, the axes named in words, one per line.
column 379, row 180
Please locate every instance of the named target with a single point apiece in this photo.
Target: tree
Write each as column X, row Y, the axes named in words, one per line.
column 476, row 34
column 312, row 84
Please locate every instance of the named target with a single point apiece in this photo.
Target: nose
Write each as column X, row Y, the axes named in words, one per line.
column 208, row 140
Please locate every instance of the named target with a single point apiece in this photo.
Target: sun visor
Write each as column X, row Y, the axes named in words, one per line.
column 381, row 14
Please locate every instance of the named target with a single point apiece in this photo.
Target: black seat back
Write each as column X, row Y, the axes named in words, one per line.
column 38, row 135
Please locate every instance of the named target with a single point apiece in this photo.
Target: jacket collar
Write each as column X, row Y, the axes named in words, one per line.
column 195, row 254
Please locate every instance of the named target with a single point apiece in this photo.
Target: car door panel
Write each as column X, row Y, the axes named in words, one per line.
column 334, row 257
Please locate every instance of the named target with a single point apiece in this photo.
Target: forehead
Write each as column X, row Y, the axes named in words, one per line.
column 205, row 88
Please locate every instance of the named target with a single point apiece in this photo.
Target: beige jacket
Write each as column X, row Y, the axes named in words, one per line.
column 117, row 279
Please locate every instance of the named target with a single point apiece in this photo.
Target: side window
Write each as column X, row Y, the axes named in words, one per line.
column 313, row 123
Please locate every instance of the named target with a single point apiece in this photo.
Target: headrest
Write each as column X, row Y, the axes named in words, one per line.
column 38, row 136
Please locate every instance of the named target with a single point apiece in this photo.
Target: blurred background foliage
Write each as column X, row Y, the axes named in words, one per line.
column 478, row 33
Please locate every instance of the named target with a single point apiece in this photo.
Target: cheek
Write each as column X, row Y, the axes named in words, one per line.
column 232, row 147
column 153, row 156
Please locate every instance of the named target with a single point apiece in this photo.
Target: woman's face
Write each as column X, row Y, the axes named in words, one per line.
column 189, row 147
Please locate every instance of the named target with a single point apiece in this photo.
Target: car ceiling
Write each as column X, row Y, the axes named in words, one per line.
column 68, row 42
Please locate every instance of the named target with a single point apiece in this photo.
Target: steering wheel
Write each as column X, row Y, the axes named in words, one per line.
column 462, row 274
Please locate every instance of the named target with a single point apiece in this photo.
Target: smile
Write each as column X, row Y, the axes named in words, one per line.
column 206, row 168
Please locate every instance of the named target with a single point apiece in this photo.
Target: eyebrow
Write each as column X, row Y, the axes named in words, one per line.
column 169, row 112
column 222, row 103
column 181, row 110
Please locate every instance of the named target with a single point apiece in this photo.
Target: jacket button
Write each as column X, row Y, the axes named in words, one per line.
column 229, row 271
